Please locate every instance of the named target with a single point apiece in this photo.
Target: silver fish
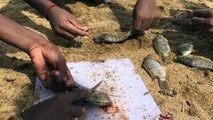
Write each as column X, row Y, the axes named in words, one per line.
column 98, row 98
column 196, row 62
column 155, row 70
column 111, row 38
column 185, row 49
column 162, row 47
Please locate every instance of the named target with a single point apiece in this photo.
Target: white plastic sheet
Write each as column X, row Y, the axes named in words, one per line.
column 122, row 83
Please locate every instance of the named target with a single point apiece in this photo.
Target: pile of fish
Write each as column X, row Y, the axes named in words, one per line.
column 97, row 98
column 156, row 71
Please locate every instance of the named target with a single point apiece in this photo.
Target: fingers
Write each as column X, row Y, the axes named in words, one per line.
column 203, row 13
column 76, row 95
column 65, row 73
column 57, row 83
column 205, row 24
column 200, row 21
column 77, row 24
column 41, row 68
column 76, row 111
column 71, row 28
column 143, row 24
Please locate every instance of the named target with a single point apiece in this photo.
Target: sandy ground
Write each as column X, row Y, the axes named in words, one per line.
column 194, row 87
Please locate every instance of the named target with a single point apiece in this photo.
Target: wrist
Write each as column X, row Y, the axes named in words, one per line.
column 52, row 6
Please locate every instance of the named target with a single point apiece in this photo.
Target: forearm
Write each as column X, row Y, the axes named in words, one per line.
column 40, row 5
column 18, row 36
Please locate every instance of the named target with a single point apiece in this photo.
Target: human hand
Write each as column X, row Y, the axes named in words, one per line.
column 57, row 108
column 203, row 20
column 65, row 24
column 50, row 66
column 144, row 14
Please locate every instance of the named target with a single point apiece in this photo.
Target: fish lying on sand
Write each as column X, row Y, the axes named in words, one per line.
column 162, row 47
column 185, row 49
column 155, row 71
column 112, row 38
column 196, row 62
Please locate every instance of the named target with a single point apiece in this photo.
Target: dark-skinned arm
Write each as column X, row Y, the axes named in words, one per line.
column 49, row 63
column 63, row 23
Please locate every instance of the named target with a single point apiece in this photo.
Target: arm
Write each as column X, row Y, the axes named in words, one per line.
column 12, row 33
column 63, row 23
column 48, row 61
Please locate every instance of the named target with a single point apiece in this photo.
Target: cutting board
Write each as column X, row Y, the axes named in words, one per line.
column 123, row 85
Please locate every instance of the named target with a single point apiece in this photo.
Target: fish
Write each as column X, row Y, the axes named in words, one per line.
column 97, row 98
column 183, row 18
column 112, row 38
column 162, row 47
column 100, row 98
column 156, row 71
column 196, row 62
column 185, row 49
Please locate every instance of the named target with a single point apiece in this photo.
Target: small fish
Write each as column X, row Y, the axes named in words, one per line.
column 111, row 38
column 98, row 98
column 196, row 62
column 183, row 18
column 155, row 70
column 162, row 47
column 185, row 49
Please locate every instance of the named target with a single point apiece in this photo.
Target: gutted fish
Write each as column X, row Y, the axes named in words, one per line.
column 185, row 49
column 98, row 98
column 196, row 62
column 162, row 47
column 155, row 71
column 112, row 38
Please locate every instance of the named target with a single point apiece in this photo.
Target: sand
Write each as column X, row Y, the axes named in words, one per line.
column 194, row 100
